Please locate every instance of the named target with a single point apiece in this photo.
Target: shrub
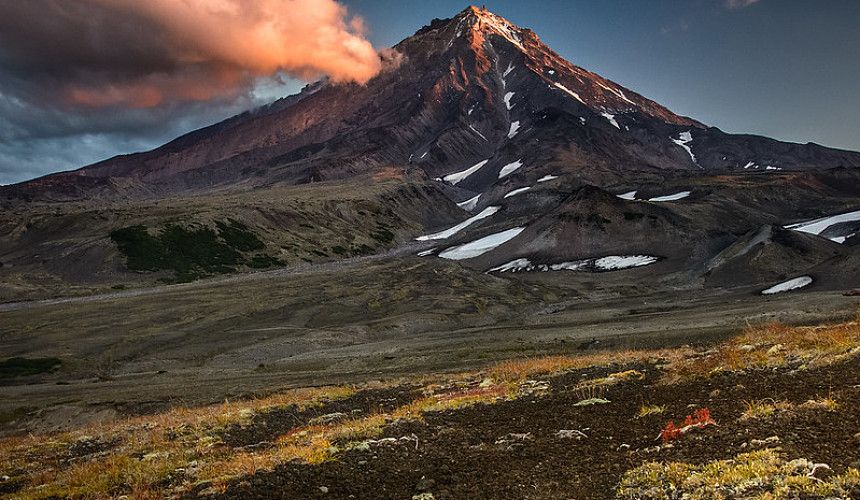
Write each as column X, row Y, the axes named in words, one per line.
column 699, row 419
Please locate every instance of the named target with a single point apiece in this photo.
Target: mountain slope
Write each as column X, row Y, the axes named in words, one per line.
column 459, row 91
column 554, row 168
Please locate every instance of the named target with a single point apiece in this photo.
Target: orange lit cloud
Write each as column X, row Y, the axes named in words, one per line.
column 150, row 53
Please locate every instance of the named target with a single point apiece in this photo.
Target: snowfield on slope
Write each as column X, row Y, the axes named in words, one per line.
column 785, row 286
column 459, row 176
column 510, row 168
column 614, row 262
column 441, row 235
column 480, row 246
column 818, row 226
column 671, row 197
column 469, row 204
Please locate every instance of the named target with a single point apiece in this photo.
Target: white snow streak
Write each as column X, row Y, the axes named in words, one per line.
column 459, row 176
column 508, row 71
column 683, row 140
column 425, row 253
column 459, row 227
column 672, row 197
column 628, row 196
column 517, row 191
column 480, row 246
column 617, row 92
column 785, row 286
column 572, row 93
column 476, row 131
column 513, row 266
column 547, row 178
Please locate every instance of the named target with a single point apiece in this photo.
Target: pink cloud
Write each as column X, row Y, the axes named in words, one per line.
column 99, row 53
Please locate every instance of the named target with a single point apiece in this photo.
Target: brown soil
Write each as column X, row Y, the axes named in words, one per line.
column 510, row 449
column 265, row 426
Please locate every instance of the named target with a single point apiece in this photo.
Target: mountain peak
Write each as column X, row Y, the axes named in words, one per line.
column 484, row 21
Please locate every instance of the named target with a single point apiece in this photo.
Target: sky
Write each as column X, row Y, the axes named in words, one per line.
column 84, row 80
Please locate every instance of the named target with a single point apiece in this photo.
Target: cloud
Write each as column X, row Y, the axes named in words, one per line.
column 739, row 4
column 140, row 54
column 81, row 80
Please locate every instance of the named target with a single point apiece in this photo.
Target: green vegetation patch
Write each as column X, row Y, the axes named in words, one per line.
column 238, row 236
column 22, row 367
column 191, row 252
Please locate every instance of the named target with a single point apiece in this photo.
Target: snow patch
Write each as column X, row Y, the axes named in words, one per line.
column 480, row 246
column 508, row 97
column 517, row 191
column 508, row 71
column 572, row 93
column 750, row 164
column 672, row 197
column 459, row 227
column 515, row 127
column 785, row 286
column 510, row 168
column 547, row 178
column 631, row 195
column 459, row 176
column 469, row 204
column 611, row 118
column 425, row 253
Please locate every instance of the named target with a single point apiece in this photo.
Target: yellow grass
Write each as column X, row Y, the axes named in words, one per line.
column 646, row 410
column 772, row 346
column 765, row 409
column 759, row 474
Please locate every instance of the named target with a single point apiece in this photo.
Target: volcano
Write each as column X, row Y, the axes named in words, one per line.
column 502, row 152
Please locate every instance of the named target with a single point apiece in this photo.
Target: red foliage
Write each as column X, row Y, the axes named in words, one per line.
column 699, row 419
